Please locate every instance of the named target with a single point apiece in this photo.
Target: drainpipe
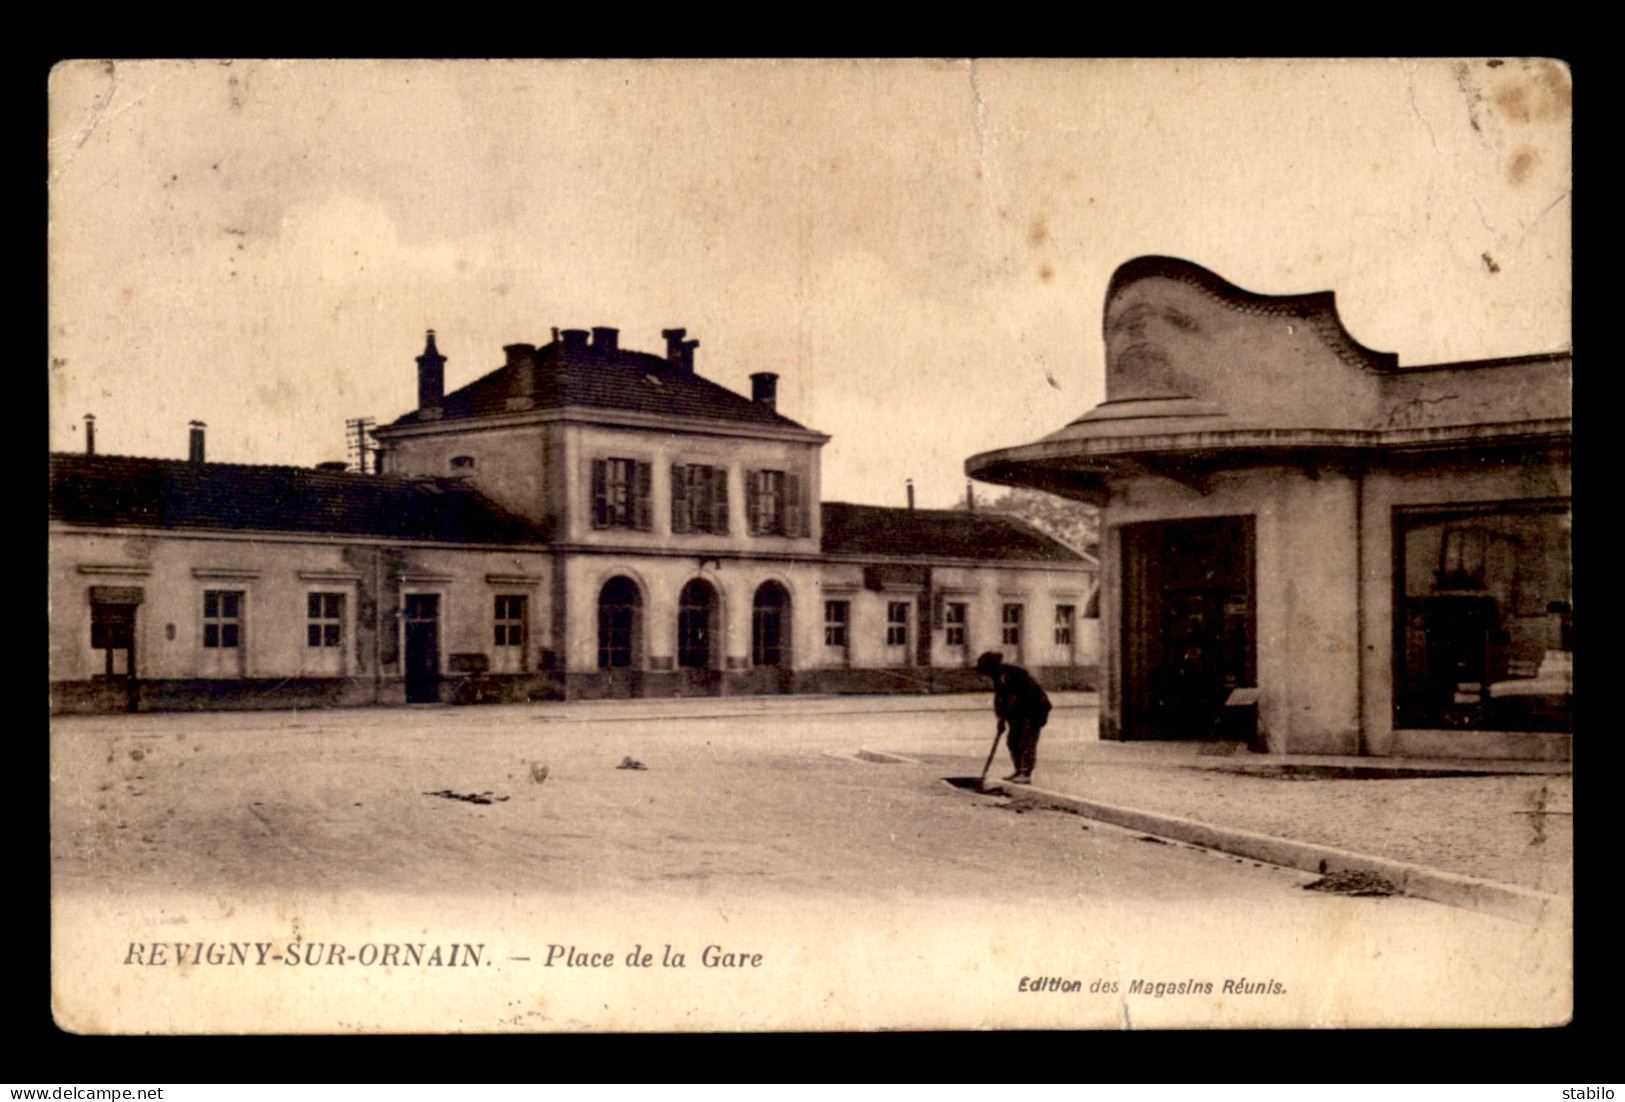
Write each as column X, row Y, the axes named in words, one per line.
column 1361, row 745
column 377, row 616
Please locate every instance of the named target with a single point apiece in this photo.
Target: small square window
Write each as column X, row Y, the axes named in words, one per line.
column 1012, row 625
column 897, row 624
column 837, row 618
column 324, row 614
column 1064, row 616
column 222, row 618
column 508, row 625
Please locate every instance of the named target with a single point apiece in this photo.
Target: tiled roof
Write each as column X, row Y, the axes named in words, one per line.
column 166, row 493
column 621, row 380
column 936, row 533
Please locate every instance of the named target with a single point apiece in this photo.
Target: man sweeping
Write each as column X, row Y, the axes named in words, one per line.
column 1022, row 707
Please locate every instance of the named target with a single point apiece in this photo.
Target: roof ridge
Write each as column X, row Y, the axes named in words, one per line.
column 188, row 464
column 617, row 381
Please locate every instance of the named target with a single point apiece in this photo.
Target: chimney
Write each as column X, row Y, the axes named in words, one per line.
column 909, row 482
column 195, row 442
column 605, row 340
column 575, row 340
column 522, row 359
column 764, row 389
column 431, row 376
column 970, row 497
column 90, row 434
column 333, row 466
column 680, row 353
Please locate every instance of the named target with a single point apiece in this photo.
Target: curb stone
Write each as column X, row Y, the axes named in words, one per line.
column 1418, row 881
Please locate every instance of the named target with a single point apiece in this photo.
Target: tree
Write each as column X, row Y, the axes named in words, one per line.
column 1070, row 522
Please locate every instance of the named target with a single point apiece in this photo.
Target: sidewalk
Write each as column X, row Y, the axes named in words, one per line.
column 1510, row 823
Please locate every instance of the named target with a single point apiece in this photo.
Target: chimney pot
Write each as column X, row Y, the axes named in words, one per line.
column 195, row 442
column 909, row 483
column 90, row 434
column 605, row 339
column 764, row 389
column 522, row 361
column 431, row 375
column 679, row 352
column 970, row 497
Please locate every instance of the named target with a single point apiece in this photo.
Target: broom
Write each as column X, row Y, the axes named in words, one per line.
column 994, row 749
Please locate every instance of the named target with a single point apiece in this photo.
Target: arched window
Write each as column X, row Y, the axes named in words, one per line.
column 770, row 625
column 696, row 620
column 619, row 606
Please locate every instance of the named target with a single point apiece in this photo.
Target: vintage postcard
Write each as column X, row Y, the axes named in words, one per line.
column 703, row 545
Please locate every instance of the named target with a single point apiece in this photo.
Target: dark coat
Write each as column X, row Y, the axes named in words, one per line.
column 1018, row 699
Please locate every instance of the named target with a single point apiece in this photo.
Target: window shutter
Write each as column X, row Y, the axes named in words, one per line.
column 679, row 500
column 753, row 501
column 640, row 506
column 719, row 500
column 600, row 493
column 795, row 513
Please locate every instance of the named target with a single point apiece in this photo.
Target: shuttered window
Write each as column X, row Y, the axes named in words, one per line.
column 776, row 504
column 621, row 492
column 699, row 498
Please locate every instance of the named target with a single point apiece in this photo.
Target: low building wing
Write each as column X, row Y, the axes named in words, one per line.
column 119, row 491
column 937, row 534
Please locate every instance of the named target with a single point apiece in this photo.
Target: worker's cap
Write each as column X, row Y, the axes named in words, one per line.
column 990, row 662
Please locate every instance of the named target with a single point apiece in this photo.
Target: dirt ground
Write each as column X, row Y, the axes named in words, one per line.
column 871, row 887
column 348, row 801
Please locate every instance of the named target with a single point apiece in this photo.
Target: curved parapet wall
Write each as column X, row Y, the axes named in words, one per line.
column 1180, row 341
column 1318, row 310
column 1200, row 372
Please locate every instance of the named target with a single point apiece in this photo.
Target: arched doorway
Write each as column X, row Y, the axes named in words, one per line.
column 770, row 635
column 696, row 626
column 620, row 622
column 698, row 640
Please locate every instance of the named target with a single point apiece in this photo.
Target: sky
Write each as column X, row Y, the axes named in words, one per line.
column 919, row 248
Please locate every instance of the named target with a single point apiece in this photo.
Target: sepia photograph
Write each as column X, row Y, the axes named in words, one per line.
column 674, row 545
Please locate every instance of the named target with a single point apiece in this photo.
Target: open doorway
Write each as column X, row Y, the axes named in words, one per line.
column 112, row 633
column 1188, row 624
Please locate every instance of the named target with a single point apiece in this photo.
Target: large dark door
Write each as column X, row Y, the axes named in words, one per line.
column 697, row 658
column 422, row 648
column 770, row 635
column 1188, row 637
